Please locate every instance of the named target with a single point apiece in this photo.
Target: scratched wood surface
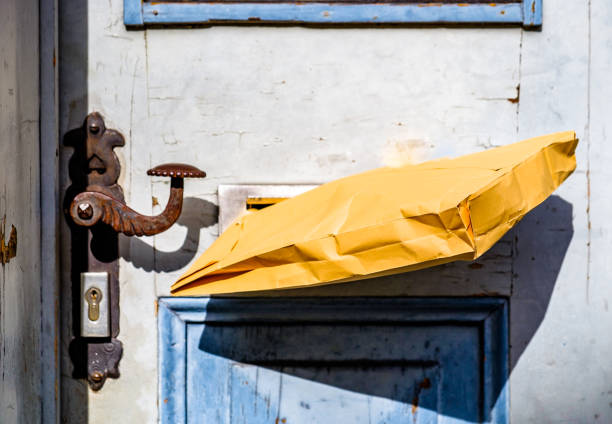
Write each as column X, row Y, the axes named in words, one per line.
column 20, row 325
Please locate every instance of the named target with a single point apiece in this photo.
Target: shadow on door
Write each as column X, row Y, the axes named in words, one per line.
column 349, row 373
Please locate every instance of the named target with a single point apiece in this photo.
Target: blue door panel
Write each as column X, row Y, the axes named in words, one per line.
column 404, row 360
column 308, row 394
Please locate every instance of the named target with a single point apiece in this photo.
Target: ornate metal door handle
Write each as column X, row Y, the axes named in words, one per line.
column 96, row 211
column 91, row 207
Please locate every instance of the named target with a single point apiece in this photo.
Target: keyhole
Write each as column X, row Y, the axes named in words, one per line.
column 93, row 297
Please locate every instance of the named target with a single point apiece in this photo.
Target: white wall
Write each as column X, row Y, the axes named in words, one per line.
column 293, row 105
column 20, row 370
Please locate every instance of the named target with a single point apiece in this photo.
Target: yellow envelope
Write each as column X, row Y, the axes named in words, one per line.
column 385, row 221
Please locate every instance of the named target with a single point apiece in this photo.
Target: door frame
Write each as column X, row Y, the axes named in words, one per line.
column 50, row 212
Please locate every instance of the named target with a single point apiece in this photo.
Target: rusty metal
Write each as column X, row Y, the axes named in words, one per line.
column 178, row 170
column 8, row 250
column 96, row 211
column 99, row 359
column 91, row 207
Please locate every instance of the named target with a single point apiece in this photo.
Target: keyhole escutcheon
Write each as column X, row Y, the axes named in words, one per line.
column 93, row 296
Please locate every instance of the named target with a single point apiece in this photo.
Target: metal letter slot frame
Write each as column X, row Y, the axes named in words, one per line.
column 96, row 212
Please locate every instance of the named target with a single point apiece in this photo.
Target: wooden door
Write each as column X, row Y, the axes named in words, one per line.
column 20, row 290
column 291, row 361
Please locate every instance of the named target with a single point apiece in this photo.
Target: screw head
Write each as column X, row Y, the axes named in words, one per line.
column 97, row 376
column 85, row 210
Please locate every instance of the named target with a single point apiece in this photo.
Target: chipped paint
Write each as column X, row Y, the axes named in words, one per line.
column 516, row 99
column 188, row 13
column 8, row 247
column 423, row 385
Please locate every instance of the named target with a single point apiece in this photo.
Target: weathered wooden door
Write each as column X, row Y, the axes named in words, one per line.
column 20, row 262
column 286, row 104
column 360, row 360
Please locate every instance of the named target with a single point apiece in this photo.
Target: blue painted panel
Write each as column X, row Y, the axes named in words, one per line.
column 332, row 360
column 528, row 13
column 532, row 13
column 132, row 13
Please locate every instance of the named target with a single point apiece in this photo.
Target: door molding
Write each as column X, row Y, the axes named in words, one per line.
column 175, row 314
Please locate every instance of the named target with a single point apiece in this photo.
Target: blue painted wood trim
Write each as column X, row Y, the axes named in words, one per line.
column 137, row 13
column 132, row 13
column 354, row 309
column 532, row 13
column 173, row 360
column 496, row 345
column 174, row 314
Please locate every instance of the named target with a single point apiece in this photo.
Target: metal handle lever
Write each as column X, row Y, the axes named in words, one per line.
column 90, row 207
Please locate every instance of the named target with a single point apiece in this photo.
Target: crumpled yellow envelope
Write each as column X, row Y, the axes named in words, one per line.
column 385, row 221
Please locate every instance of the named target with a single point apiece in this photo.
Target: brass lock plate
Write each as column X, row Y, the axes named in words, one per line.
column 95, row 316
